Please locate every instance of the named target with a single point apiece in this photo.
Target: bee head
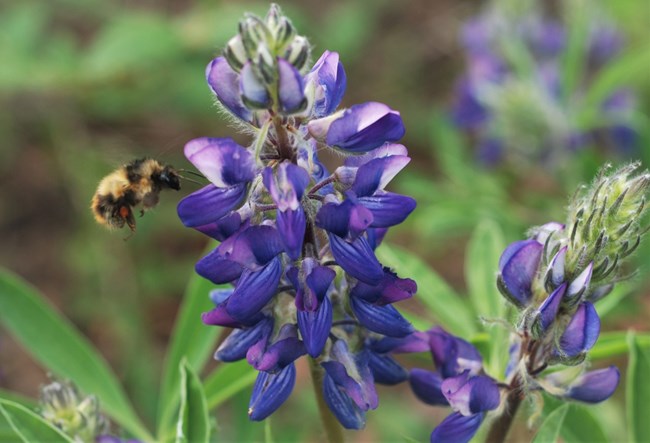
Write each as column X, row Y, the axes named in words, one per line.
column 170, row 178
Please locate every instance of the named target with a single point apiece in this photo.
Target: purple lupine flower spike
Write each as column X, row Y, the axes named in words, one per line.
column 296, row 242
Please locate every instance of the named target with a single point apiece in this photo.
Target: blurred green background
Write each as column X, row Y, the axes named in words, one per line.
column 86, row 85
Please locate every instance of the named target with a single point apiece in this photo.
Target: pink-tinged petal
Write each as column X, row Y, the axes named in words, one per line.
column 471, row 395
column 224, row 82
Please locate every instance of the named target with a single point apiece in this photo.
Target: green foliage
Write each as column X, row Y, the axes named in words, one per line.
column 638, row 391
column 193, row 421
column 549, row 431
column 227, row 380
column 191, row 340
column 28, row 426
column 54, row 342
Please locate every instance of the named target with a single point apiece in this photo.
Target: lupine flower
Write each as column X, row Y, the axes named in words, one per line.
column 555, row 277
column 459, row 382
column 297, row 243
column 79, row 417
column 514, row 99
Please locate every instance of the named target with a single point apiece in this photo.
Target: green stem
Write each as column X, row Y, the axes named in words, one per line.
column 331, row 425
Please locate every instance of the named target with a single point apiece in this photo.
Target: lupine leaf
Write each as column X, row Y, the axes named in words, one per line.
column 57, row 345
column 549, row 431
column 28, row 426
column 227, row 380
column 445, row 305
column 191, row 339
column 579, row 425
column 611, row 344
column 193, row 423
column 638, row 391
column 481, row 267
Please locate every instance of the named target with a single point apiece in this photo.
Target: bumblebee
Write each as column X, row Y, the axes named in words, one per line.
column 138, row 182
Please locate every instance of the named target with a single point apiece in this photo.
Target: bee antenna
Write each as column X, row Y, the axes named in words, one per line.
column 198, row 174
column 191, row 180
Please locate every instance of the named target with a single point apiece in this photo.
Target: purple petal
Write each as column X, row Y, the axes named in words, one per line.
column 286, row 185
column 342, row 406
column 549, row 308
column 209, row 204
column 252, row 247
column 270, row 391
column 239, row 341
column 252, row 91
column 391, row 289
column 388, row 209
column 456, row 428
column 345, row 219
column 362, row 392
column 218, row 269
column 375, row 236
column 467, row 111
column 292, row 226
column 377, row 173
column 415, row 342
column 453, row 355
column 471, row 395
column 222, row 228
column 224, row 82
column 364, row 127
column 519, row 264
column 386, row 370
column 315, row 327
column 387, row 150
column 357, row 259
column 582, row 332
column 219, row 316
column 543, row 232
column 595, row 386
column 290, row 88
column 385, row 320
column 426, row 386
column 274, row 357
column 329, row 76
column 221, row 160
column 254, row 290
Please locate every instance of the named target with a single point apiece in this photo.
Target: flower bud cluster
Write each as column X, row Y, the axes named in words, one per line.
column 557, row 275
column 77, row 416
column 515, row 98
column 296, row 242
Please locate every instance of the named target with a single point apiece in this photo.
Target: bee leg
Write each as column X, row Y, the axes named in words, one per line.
column 141, row 212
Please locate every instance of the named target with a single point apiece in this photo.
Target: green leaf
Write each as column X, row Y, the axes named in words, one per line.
column 227, row 380
column 193, row 423
column 611, row 344
column 638, row 391
column 28, row 426
column 549, row 431
column 481, row 267
column 579, row 425
column 58, row 346
column 449, row 310
column 191, row 339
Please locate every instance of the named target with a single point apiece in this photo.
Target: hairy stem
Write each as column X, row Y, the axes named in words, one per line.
column 332, row 427
column 501, row 425
column 285, row 150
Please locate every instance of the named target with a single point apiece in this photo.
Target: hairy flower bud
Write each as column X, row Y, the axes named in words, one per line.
column 77, row 416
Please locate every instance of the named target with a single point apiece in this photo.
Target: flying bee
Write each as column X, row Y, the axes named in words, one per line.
column 138, row 182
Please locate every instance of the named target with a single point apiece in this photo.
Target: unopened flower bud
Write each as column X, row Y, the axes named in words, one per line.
column 235, row 53
column 298, row 52
column 253, row 33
